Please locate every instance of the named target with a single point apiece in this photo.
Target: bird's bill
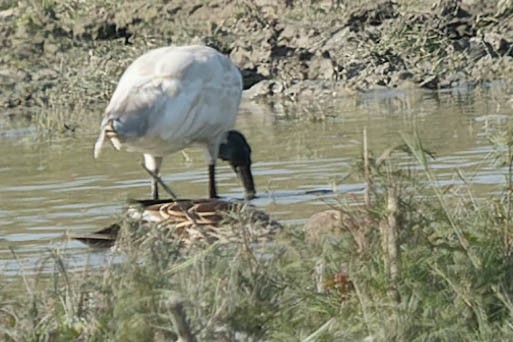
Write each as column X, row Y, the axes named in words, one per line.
column 245, row 175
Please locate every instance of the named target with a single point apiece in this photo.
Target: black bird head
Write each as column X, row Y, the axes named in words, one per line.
column 237, row 152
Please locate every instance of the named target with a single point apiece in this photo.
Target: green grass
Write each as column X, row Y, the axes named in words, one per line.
column 424, row 263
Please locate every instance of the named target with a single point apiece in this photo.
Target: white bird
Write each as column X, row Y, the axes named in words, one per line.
column 173, row 97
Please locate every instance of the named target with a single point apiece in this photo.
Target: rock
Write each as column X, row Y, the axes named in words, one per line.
column 478, row 49
column 250, row 77
column 260, row 89
column 402, row 79
column 461, row 45
column 321, row 67
column 372, row 14
column 243, row 57
column 498, row 43
column 430, row 82
column 338, row 39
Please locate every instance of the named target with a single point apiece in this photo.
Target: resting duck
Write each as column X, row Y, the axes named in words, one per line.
column 192, row 221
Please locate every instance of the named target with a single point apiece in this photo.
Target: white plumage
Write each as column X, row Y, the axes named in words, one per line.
column 170, row 98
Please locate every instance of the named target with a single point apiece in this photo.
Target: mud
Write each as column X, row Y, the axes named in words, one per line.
column 60, row 57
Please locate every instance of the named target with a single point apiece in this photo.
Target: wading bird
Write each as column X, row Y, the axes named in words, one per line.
column 173, row 97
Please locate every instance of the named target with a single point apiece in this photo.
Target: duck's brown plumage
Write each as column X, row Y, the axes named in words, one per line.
column 192, row 220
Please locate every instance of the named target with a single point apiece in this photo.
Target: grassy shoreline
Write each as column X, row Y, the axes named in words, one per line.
column 400, row 268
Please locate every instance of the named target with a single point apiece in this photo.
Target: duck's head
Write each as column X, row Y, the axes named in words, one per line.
column 237, row 152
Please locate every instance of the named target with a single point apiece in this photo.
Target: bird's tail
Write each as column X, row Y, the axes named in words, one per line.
column 107, row 131
column 99, row 143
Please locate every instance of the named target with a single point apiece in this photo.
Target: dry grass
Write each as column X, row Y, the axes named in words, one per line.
column 61, row 63
column 412, row 264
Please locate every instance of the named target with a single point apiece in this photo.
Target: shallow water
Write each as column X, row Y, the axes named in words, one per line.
column 50, row 188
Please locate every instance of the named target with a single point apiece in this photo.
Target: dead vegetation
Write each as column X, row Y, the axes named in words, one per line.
column 60, row 63
column 413, row 262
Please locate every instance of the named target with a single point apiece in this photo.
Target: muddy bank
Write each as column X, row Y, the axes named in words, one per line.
column 60, row 61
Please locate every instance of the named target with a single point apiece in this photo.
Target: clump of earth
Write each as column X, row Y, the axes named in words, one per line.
column 62, row 59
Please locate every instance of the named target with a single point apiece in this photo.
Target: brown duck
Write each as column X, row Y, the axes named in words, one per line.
column 191, row 221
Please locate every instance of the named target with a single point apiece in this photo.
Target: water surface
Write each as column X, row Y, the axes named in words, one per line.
column 48, row 188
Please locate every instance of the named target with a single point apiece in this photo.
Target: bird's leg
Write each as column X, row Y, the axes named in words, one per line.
column 212, row 180
column 154, row 189
column 153, row 163
column 211, row 153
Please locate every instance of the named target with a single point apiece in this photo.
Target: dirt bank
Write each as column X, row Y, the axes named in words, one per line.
column 60, row 60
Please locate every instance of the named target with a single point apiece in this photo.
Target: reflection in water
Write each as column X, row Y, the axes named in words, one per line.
column 52, row 187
